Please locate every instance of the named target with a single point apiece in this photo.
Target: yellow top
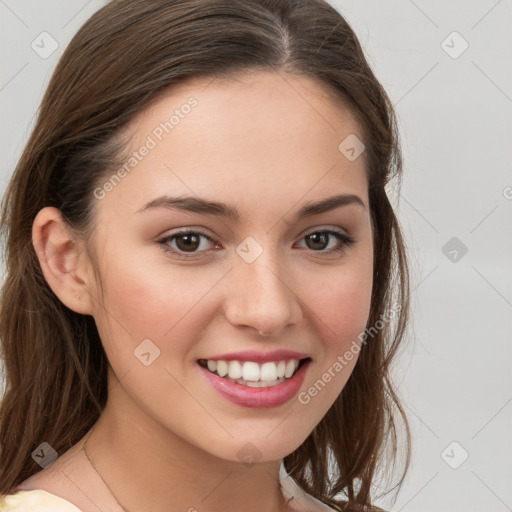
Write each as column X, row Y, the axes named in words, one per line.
column 35, row 501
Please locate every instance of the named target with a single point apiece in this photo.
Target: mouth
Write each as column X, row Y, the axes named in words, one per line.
column 253, row 374
column 254, row 379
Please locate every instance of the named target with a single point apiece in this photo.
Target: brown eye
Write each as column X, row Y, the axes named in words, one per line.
column 328, row 241
column 186, row 243
column 318, row 241
column 189, row 242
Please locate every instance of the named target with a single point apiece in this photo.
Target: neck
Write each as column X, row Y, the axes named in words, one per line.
column 147, row 467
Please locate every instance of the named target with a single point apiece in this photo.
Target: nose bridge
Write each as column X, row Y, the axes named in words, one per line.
column 259, row 295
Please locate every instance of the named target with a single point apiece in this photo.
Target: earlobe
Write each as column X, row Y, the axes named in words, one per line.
column 61, row 255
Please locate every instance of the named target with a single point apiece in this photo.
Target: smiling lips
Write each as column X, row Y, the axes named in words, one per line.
column 253, row 379
column 250, row 373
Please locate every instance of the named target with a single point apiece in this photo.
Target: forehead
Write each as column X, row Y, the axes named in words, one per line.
column 295, row 103
column 271, row 135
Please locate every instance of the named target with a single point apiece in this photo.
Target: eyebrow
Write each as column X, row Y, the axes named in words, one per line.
column 204, row 206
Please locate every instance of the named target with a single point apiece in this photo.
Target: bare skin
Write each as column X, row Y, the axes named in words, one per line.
column 266, row 144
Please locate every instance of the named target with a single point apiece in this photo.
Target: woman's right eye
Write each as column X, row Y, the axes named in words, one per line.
column 185, row 244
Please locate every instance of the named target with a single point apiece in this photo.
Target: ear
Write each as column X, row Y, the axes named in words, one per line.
column 64, row 261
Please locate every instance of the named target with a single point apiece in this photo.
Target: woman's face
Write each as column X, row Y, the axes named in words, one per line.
column 248, row 159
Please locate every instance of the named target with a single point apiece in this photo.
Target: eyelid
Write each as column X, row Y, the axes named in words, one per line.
column 324, row 228
column 188, row 230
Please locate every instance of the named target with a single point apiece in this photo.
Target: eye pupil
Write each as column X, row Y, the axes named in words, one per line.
column 318, row 238
column 191, row 242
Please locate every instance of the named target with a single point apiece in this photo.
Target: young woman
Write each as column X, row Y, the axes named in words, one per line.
column 205, row 280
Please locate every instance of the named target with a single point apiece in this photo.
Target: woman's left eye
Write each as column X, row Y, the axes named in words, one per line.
column 188, row 243
column 319, row 241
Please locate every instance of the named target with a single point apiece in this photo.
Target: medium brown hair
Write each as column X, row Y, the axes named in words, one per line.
column 121, row 58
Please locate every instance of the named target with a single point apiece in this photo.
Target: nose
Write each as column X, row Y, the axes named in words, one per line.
column 260, row 298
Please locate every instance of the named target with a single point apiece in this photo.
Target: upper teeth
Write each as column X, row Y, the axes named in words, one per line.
column 251, row 371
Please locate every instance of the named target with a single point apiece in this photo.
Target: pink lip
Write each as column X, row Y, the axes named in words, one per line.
column 259, row 357
column 246, row 396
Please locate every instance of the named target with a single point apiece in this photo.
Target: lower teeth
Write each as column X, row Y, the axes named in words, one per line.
column 259, row 383
column 255, row 384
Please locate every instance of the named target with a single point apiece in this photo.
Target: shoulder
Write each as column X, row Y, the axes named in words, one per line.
column 356, row 508
column 67, row 485
column 35, row 501
column 299, row 501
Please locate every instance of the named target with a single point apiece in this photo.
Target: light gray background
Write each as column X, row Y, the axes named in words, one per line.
column 455, row 116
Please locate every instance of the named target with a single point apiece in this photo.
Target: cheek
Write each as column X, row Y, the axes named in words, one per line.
column 340, row 315
column 341, row 304
column 153, row 302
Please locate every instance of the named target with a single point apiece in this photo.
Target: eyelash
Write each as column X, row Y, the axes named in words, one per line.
column 346, row 242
